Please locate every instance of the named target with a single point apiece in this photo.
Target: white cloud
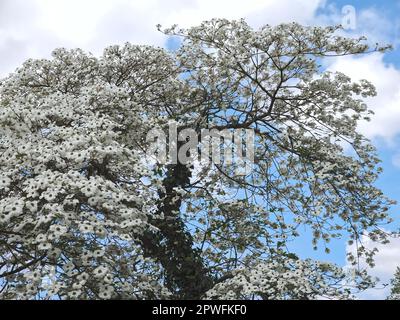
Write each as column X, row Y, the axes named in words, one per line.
column 386, row 261
column 386, row 105
column 34, row 28
column 396, row 160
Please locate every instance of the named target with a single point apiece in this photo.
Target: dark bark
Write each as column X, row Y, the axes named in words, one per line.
column 185, row 272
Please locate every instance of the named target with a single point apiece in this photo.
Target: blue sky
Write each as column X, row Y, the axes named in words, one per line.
column 32, row 29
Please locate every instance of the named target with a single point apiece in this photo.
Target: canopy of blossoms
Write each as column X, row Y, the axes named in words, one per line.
column 85, row 213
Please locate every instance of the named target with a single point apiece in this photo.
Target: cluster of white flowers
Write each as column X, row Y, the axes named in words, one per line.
column 70, row 186
column 285, row 278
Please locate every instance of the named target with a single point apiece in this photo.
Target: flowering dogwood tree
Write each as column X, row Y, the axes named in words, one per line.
column 86, row 213
column 395, row 282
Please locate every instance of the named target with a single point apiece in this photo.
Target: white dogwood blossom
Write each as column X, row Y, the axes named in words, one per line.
column 86, row 213
column 395, row 283
column 287, row 278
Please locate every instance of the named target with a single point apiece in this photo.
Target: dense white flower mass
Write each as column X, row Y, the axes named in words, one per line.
column 72, row 202
column 85, row 214
column 287, row 279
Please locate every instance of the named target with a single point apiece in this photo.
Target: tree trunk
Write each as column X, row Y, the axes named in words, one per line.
column 185, row 273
